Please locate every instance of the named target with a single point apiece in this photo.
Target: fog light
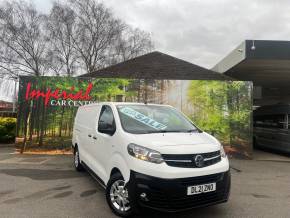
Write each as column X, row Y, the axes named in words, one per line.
column 143, row 196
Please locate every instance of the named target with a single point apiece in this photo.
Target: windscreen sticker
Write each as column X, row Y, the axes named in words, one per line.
column 142, row 118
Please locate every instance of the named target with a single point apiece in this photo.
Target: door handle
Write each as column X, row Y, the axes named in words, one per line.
column 89, row 135
column 94, row 137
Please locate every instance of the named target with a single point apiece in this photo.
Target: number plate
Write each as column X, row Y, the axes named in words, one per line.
column 198, row 189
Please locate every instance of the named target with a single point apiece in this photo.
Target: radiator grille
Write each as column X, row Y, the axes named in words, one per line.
column 188, row 160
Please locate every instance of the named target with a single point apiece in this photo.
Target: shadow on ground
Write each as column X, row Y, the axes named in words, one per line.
column 40, row 174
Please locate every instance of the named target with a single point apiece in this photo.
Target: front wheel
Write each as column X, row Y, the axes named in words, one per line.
column 117, row 196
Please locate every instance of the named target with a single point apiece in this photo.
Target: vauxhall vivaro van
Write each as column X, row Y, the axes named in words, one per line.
column 149, row 155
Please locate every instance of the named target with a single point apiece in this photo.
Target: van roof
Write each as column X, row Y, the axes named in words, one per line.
column 122, row 103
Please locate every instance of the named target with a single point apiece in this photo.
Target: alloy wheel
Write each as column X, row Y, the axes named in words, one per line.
column 119, row 196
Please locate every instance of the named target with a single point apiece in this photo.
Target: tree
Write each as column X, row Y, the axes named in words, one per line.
column 81, row 35
column 96, row 30
column 61, row 25
column 131, row 43
column 22, row 42
column 23, row 45
column 209, row 100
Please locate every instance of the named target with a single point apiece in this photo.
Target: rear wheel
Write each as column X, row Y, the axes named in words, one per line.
column 77, row 163
column 117, row 196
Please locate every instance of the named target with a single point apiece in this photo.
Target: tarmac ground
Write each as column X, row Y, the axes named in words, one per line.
column 48, row 186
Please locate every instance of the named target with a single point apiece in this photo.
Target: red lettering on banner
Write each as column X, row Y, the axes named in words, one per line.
column 58, row 94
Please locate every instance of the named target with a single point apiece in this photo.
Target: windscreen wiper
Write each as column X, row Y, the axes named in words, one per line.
column 192, row 130
column 162, row 131
column 169, row 131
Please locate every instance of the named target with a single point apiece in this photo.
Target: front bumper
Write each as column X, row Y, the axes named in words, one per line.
column 171, row 194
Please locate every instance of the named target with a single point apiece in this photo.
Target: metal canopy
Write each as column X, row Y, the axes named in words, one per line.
column 266, row 63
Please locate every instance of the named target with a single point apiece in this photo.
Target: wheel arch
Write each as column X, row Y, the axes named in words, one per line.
column 119, row 165
column 115, row 170
column 74, row 147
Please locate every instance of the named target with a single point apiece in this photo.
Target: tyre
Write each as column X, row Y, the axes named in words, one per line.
column 117, row 196
column 77, row 162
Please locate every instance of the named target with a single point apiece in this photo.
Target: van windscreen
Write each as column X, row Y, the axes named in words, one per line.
column 144, row 119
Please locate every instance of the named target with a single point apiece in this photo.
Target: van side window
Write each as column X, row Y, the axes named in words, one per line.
column 106, row 122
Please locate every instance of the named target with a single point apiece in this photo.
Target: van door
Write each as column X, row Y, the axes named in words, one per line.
column 103, row 140
column 83, row 128
column 89, row 122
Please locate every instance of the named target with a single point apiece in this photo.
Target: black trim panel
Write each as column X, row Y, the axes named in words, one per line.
column 170, row 195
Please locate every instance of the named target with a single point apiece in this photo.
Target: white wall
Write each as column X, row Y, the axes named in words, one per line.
column 7, row 90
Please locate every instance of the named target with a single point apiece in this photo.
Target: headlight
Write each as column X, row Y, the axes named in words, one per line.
column 223, row 153
column 145, row 154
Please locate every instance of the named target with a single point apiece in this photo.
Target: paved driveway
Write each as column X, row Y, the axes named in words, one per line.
column 48, row 186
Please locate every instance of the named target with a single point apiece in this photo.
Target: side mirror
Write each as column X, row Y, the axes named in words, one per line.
column 106, row 128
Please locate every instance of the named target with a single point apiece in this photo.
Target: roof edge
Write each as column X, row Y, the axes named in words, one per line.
column 233, row 58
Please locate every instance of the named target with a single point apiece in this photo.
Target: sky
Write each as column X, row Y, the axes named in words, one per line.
column 202, row 31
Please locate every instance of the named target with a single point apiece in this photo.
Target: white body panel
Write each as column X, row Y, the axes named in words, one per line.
column 107, row 152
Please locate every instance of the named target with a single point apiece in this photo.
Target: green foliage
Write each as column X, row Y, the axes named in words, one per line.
column 221, row 108
column 48, row 121
column 7, row 129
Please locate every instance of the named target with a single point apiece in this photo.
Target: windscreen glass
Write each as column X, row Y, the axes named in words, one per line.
column 144, row 119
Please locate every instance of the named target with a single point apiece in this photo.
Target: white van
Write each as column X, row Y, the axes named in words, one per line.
column 149, row 155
